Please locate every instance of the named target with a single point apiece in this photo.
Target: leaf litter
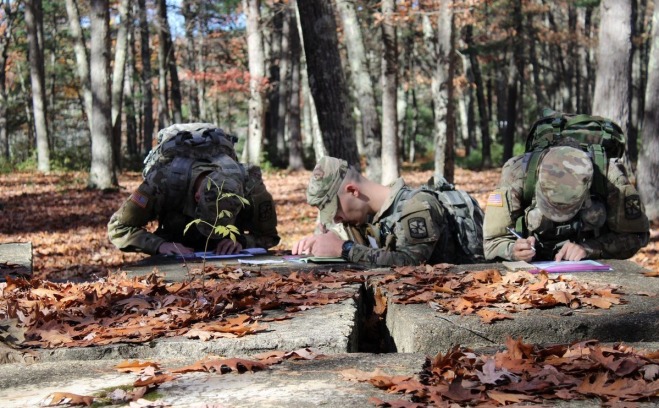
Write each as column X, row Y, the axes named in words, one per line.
column 617, row 375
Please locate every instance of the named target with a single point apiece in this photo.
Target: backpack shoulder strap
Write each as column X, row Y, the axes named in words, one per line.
column 178, row 176
column 600, row 168
column 531, row 162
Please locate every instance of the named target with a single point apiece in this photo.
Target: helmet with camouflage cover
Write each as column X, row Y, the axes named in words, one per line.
column 323, row 188
column 564, row 178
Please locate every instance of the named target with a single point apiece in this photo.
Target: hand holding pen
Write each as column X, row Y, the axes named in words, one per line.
column 524, row 248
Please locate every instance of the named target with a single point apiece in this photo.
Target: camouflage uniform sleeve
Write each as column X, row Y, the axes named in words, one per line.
column 628, row 225
column 502, row 208
column 126, row 227
column 261, row 222
column 416, row 233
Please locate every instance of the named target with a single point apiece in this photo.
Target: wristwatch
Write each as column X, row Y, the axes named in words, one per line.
column 345, row 249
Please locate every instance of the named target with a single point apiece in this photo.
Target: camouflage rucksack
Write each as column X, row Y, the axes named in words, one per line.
column 181, row 145
column 601, row 138
column 194, row 141
column 465, row 218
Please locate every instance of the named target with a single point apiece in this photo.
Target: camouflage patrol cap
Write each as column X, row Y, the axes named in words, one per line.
column 209, row 208
column 324, row 185
column 564, row 178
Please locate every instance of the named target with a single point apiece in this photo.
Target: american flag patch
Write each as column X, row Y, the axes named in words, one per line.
column 495, row 200
column 139, row 199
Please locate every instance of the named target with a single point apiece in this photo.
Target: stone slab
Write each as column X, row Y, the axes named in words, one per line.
column 295, row 384
column 299, row 384
column 330, row 329
column 417, row 328
column 15, row 259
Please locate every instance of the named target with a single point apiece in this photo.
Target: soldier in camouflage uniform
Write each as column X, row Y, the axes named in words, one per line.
column 565, row 220
column 197, row 199
column 397, row 225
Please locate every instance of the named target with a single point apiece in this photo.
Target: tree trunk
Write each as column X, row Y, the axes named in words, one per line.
column 256, row 104
column 129, row 99
column 5, row 38
column 613, row 79
column 102, row 173
column 147, row 99
column 272, row 38
column 164, row 118
column 390, row 168
column 480, row 98
column 326, row 79
column 82, row 60
column 34, row 24
column 515, row 83
column 170, row 61
column 363, row 89
column 117, row 96
column 648, row 163
column 295, row 153
column 191, row 57
column 284, row 84
column 442, row 88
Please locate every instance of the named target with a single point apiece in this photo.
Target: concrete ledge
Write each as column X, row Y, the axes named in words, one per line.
column 330, row 329
column 299, row 384
column 17, row 256
column 419, row 329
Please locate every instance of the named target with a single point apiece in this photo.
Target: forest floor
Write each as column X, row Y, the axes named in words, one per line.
column 66, row 222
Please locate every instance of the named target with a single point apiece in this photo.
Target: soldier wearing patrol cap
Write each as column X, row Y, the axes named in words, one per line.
column 399, row 226
column 565, row 219
column 175, row 204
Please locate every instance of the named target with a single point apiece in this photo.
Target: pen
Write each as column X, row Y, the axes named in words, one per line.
column 512, row 231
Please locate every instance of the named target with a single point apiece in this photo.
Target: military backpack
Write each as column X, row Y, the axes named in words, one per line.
column 600, row 137
column 179, row 146
column 465, row 218
column 196, row 141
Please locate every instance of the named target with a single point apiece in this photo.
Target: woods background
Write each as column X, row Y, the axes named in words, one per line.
column 87, row 84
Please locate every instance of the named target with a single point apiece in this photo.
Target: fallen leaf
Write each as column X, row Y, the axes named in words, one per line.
column 67, row 398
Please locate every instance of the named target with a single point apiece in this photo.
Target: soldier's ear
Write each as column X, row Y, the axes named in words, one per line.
column 352, row 189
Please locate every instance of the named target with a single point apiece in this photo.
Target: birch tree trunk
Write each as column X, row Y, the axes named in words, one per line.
column 390, row 168
column 5, row 38
column 102, row 173
column 648, row 162
column 147, row 92
column 326, row 79
column 82, row 60
column 33, row 22
column 612, row 97
column 442, row 90
column 256, row 108
column 363, row 89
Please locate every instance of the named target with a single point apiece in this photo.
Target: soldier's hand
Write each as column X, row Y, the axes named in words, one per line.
column 303, row 246
column 328, row 244
column 174, row 248
column 228, row 247
column 524, row 249
column 571, row 252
